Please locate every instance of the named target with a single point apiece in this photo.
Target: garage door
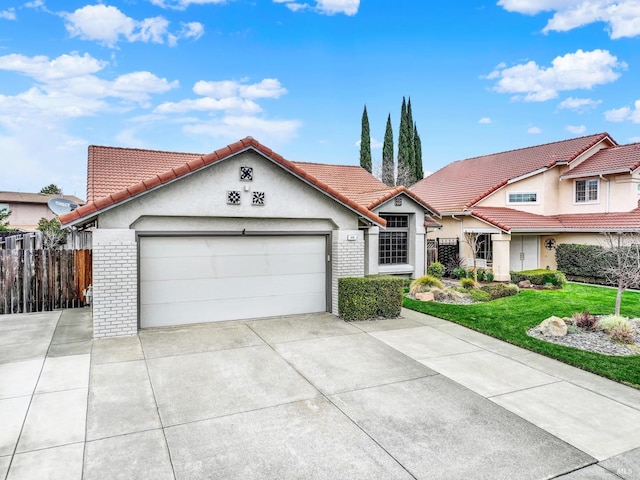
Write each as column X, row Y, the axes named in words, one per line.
column 207, row 279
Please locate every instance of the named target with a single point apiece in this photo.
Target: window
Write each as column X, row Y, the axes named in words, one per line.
column 587, row 190
column 485, row 247
column 526, row 197
column 393, row 243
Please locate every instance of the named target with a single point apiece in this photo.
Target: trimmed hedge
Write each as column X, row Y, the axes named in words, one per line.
column 539, row 277
column 586, row 262
column 370, row 297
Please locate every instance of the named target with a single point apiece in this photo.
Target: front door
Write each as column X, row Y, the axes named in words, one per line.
column 524, row 252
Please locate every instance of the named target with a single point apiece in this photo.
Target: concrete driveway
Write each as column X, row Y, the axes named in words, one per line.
column 301, row 397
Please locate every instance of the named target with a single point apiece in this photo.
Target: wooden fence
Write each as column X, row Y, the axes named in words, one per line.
column 43, row 280
column 75, row 240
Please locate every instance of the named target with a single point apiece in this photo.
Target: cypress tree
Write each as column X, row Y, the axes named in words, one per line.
column 417, row 143
column 405, row 171
column 365, row 142
column 388, row 166
column 411, row 148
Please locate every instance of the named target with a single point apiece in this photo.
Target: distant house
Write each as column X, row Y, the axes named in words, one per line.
column 238, row 233
column 28, row 208
column 522, row 203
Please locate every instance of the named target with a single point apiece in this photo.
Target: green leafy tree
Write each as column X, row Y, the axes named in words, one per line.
column 365, row 142
column 54, row 236
column 51, row 189
column 4, row 223
column 388, row 166
column 417, row 145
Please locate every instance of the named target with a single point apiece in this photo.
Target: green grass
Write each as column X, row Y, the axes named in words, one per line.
column 509, row 319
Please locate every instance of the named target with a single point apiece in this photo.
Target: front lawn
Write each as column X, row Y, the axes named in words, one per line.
column 509, row 319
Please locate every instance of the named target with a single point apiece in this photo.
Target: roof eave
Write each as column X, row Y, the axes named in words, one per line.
column 596, row 174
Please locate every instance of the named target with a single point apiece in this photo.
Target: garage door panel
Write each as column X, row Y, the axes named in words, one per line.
column 203, row 279
column 178, row 291
column 192, row 267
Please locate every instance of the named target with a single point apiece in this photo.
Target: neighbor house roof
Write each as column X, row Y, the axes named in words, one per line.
column 514, row 221
column 618, row 159
column 116, row 175
column 462, row 184
column 37, row 198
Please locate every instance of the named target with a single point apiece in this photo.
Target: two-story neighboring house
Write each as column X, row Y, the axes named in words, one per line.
column 522, row 203
column 28, row 208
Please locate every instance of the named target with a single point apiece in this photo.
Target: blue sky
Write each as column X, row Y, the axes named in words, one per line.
column 195, row 75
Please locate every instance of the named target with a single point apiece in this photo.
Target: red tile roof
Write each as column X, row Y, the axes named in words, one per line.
column 118, row 174
column 461, row 184
column 510, row 220
column 618, row 159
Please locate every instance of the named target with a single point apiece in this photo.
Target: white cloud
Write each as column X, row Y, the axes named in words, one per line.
column 208, row 104
column 67, row 87
column 622, row 17
column 326, row 7
column 577, row 129
column 634, row 140
column 573, row 71
column 624, row 113
column 234, row 127
column 484, row 120
column 534, row 130
column 9, row 14
column 108, row 25
column 183, row 4
column 580, row 105
column 34, row 4
column 267, row 88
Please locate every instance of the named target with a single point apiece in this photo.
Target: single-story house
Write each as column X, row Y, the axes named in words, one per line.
column 520, row 204
column 28, row 208
column 239, row 233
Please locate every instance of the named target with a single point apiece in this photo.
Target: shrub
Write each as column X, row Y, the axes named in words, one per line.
column 489, row 277
column 459, row 272
column 424, row 284
column 436, row 269
column 539, row 277
column 584, row 320
column 500, row 290
column 449, row 295
column 623, row 333
column 369, row 297
column 479, row 295
column 468, row 283
column 588, row 261
column 612, row 321
column 482, row 275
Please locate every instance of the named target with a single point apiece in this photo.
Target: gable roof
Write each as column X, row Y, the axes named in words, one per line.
column 514, row 221
column 618, row 159
column 462, row 184
column 116, row 175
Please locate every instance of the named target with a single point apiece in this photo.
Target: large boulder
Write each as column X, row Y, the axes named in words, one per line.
column 553, row 327
column 524, row 284
column 425, row 296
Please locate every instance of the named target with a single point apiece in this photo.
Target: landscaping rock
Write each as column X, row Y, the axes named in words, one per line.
column 553, row 327
column 524, row 284
column 425, row 296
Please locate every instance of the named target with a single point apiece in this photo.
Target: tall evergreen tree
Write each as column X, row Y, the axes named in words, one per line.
column 405, row 170
column 365, row 142
column 417, row 144
column 412, row 148
column 388, row 167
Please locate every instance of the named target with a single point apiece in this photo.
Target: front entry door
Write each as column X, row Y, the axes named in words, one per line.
column 524, row 252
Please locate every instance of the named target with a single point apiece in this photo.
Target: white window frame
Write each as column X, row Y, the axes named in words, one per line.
column 400, row 232
column 536, row 202
column 586, row 190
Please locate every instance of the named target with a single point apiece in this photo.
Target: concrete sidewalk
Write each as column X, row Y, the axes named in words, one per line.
column 302, row 397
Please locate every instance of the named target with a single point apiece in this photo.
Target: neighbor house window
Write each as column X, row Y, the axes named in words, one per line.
column 525, row 197
column 393, row 243
column 587, row 190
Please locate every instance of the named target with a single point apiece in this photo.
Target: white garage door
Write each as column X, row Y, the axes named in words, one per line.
column 206, row 279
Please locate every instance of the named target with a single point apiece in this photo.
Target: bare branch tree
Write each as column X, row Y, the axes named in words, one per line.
column 473, row 240
column 622, row 256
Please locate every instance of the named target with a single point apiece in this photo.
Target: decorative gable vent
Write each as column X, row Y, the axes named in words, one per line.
column 233, row 197
column 398, row 201
column 246, row 174
column 258, row 198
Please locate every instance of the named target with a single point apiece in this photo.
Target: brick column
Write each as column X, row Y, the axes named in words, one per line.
column 347, row 247
column 115, row 283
